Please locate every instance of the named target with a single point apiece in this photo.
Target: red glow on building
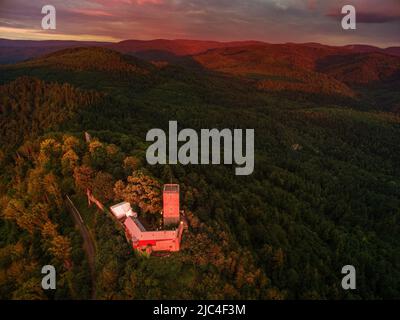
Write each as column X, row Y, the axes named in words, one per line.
column 171, row 212
column 159, row 240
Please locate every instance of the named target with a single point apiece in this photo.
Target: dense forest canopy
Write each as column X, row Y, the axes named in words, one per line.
column 325, row 191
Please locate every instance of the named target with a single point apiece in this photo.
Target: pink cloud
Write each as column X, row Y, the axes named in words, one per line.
column 91, row 12
column 108, row 3
column 312, row 4
column 142, row 2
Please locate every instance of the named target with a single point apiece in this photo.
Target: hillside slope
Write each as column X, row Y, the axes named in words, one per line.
column 90, row 59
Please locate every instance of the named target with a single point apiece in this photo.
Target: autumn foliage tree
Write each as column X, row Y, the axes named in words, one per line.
column 103, row 186
column 141, row 190
column 83, row 176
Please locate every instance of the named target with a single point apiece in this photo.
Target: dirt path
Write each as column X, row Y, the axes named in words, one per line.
column 88, row 244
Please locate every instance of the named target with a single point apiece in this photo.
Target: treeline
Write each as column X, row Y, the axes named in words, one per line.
column 29, row 106
column 34, row 218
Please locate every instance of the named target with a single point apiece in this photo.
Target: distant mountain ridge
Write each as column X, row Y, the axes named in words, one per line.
column 307, row 68
column 12, row 51
column 299, row 70
column 177, row 47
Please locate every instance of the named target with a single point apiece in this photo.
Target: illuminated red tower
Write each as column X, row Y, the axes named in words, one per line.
column 171, row 212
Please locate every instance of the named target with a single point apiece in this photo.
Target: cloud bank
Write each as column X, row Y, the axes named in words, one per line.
column 274, row 21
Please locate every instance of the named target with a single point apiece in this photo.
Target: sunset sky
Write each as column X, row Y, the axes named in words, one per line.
column 274, row 21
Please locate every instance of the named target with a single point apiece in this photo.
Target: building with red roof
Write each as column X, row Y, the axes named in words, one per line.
column 159, row 240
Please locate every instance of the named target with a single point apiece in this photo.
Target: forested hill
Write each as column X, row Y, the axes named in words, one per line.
column 90, row 59
column 325, row 192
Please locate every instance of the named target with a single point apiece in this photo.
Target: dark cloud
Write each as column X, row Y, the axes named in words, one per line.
column 376, row 18
column 369, row 17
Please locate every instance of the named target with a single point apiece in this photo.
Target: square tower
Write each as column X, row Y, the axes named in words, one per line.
column 171, row 212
